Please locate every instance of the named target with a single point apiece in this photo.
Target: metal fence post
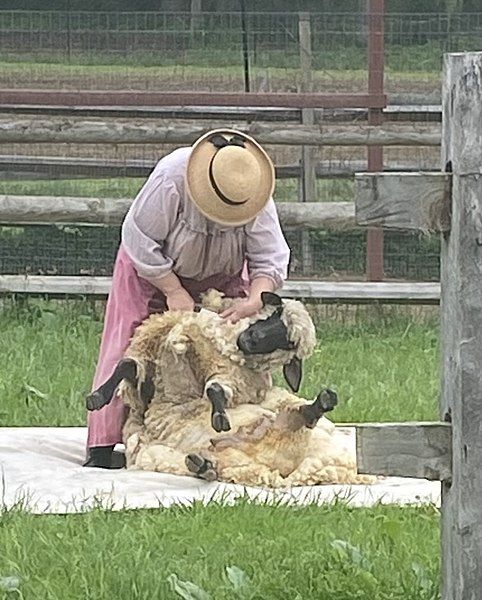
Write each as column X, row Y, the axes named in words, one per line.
column 374, row 265
column 245, row 42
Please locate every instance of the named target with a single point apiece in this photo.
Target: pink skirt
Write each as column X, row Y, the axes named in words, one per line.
column 131, row 300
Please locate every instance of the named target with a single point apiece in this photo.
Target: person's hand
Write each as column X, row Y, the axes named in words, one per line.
column 179, row 299
column 241, row 309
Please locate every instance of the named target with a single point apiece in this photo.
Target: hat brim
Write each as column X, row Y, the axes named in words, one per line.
column 205, row 197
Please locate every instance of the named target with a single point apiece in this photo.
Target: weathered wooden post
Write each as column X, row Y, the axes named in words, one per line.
column 307, row 181
column 196, row 12
column 308, row 153
column 451, row 450
column 461, row 305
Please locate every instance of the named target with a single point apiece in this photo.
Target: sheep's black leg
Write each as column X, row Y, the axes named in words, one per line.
column 201, row 467
column 126, row 369
column 324, row 402
column 147, row 386
column 147, row 391
column 217, row 397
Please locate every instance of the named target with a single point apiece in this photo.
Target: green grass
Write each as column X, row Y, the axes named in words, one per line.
column 382, row 363
column 278, row 552
column 171, row 73
column 384, row 368
column 348, row 65
column 334, row 72
column 327, row 61
column 50, row 350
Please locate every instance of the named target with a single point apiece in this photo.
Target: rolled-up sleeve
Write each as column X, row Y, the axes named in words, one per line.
column 267, row 252
column 150, row 218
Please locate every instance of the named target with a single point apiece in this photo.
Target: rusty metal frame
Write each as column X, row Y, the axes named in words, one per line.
column 141, row 98
column 376, row 63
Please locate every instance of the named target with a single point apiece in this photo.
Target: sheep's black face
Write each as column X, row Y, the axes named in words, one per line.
column 266, row 336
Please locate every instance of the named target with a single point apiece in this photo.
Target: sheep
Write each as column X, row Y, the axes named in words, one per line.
column 280, row 443
column 177, row 361
column 180, row 354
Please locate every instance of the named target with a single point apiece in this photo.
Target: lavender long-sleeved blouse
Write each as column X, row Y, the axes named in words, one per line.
column 163, row 231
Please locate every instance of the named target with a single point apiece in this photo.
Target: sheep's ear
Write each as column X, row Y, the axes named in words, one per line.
column 271, row 299
column 293, row 372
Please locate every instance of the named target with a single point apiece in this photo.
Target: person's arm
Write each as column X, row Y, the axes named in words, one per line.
column 268, row 256
column 177, row 297
column 150, row 219
column 252, row 304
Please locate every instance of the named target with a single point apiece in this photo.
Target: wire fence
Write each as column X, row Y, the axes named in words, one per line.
column 62, row 250
column 205, row 52
column 415, row 45
column 173, row 51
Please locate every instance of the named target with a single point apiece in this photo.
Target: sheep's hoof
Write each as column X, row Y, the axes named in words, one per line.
column 324, row 402
column 220, row 422
column 327, row 400
column 95, row 401
column 201, row 467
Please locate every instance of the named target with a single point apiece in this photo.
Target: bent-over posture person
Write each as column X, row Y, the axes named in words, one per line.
column 205, row 218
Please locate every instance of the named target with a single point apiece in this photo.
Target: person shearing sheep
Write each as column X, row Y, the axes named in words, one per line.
column 179, row 356
column 205, row 218
column 188, row 379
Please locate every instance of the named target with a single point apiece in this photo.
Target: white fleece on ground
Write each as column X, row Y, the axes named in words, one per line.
column 40, row 469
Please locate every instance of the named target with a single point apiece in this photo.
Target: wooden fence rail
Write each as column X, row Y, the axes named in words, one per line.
column 36, row 210
column 359, row 292
column 424, row 112
column 431, row 192
column 69, row 131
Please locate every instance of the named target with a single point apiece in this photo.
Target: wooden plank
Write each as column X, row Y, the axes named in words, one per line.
column 348, row 292
column 196, row 14
column 73, row 166
column 461, row 313
column 418, row 201
column 335, row 216
column 241, row 113
column 58, row 285
column 423, row 113
column 308, row 153
column 69, row 131
column 420, row 450
column 171, row 98
column 364, row 292
column 29, row 210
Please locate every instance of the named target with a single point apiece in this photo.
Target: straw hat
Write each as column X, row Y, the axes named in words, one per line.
column 230, row 178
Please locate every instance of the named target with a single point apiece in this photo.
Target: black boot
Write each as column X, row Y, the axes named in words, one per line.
column 104, row 457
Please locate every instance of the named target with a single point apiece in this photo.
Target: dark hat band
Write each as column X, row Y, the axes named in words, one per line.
column 219, row 141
